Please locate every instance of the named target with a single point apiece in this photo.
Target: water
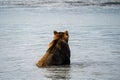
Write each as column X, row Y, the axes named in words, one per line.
column 26, row 30
column 36, row 3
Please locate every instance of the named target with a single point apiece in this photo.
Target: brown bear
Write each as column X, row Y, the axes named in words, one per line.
column 58, row 52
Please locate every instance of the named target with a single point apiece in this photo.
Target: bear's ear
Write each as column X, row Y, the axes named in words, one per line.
column 55, row 32
column 66, row 32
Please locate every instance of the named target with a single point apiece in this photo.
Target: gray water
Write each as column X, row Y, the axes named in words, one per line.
column 26, row 30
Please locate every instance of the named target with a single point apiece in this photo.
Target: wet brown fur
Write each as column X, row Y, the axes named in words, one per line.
column 58, row 52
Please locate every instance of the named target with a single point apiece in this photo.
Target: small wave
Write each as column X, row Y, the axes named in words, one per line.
column 110, row 3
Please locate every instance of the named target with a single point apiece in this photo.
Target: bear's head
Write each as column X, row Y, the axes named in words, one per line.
column 61, row 36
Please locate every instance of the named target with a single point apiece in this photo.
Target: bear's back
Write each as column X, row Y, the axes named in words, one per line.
column 58, row 52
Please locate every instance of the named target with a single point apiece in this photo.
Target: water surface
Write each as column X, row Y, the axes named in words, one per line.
column 26, row 30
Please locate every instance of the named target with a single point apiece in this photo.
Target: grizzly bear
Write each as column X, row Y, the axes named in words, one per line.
column 58, row 52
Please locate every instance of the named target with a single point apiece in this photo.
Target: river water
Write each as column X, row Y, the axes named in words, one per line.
column 26, row 28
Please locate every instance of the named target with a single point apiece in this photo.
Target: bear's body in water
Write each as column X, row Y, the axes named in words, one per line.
column 58, row 52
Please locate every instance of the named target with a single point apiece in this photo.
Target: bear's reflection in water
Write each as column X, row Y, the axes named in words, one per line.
column 58, row 72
